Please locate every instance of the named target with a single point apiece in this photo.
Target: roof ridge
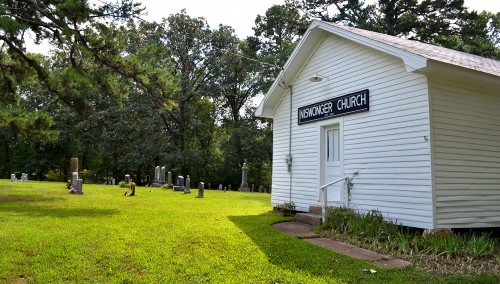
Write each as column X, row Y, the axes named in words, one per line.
column 427, row 50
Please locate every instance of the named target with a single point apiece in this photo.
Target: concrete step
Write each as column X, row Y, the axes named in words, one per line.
column 308, row 218
column 315, row 209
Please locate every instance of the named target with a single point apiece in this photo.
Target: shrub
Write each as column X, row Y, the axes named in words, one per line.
column 369, row 229
column 287, row 208
column 470, row 244
column 55, row 175
column 88, row 176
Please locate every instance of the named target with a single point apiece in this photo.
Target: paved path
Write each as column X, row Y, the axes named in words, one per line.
column 305, row 232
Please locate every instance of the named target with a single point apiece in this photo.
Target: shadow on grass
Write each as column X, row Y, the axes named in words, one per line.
column 44, row 211
column 290, row 253
column 25, row 198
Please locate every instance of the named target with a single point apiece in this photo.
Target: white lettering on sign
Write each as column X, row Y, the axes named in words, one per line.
column 352, row 101
column 320, row 109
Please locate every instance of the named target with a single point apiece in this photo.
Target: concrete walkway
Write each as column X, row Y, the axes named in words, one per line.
column 305, row 231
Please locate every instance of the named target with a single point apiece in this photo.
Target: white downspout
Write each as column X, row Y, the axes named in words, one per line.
column 289, row 158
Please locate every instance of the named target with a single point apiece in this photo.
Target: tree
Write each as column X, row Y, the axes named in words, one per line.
column 72, row 24
column 27, row 136
column 276, row 35
column 188, row 41
column 441, row 22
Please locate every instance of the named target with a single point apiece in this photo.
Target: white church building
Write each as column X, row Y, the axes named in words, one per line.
column 419, row 124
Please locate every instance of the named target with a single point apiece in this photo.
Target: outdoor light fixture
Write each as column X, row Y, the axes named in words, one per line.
column 316, row 78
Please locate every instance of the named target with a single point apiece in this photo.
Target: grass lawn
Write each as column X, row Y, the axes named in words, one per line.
column 161, row 236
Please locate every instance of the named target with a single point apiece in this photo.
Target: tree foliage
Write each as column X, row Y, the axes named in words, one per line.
column 441, row 22
column 125, row 95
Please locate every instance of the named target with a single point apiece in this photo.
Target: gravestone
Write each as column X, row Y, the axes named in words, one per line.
column 162, row 175
column 209, row 186
column 201, row 189
column 74, row 178
column 229, row 187
column 188, row 185
column 260, row 188
column 79, row 185
column 220, row 186
column 180, row 184
column 169, row 176
column 113, row 181
column 13, row 178
column 225, row 189
column 157, row 174
column 127, row 178
column 244, row 178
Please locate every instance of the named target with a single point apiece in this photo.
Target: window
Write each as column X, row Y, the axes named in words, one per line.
column 332, row 145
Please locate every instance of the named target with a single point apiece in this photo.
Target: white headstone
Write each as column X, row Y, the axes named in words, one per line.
column 74, row 178
column 157, row 174
column 162, row 175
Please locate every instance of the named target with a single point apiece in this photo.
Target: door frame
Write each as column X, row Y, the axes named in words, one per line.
column 321, row 132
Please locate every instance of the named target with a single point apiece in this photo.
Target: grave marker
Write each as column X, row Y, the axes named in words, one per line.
column 187, row 189
column 201, row 189
column 244, row 178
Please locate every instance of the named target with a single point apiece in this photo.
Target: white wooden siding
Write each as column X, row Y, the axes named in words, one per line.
column 466, row 142
column 386, row 144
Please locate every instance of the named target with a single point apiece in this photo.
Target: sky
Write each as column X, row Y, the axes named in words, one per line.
column 239, row 14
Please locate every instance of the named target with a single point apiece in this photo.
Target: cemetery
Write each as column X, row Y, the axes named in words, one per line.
column 336, row 142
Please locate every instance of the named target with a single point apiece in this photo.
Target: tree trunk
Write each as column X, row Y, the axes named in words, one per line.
column 7, row 167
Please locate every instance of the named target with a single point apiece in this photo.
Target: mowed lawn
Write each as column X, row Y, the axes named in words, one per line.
column 160, row 236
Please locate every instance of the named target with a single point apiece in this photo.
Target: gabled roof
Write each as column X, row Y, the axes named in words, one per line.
column 432, row 52
column 416, row 56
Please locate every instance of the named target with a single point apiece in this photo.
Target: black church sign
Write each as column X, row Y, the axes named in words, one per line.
column 347, row 104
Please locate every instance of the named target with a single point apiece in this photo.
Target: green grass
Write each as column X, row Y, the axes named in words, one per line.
column 161, row 236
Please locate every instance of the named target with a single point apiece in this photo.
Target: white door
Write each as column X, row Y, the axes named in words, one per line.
column 332, row 164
